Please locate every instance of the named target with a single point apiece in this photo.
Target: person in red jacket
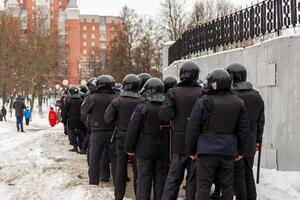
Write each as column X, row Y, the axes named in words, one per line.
column 52, row 117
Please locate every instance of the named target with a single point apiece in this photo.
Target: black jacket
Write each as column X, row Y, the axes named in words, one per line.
column 3, row 110
column 94, row 108
column 177, row 107
column 145, row 135
column 72, row 110
column 255, row 107
column 120, row 111
column 218, row 141
column 19, row 107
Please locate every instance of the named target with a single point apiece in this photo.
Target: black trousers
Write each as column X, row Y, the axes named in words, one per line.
column 121, row 173
column 208, row 168
column 151, row 172
column 76, row 137
column 179, row 164
column 98, row 143
column 244, row 184
column 105, row 165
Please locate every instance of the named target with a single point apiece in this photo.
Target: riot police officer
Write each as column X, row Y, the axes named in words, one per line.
column 83, row 91
column 91, row 86
column 177, row 108
column 244, row 180
column 101, row 132
column 144, row 77
column 148, row 142
column 119, row 112
column 217, row 135
column 169, row 82
column 75, row 126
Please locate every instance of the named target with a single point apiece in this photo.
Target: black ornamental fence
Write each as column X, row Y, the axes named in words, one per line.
column 266, row 17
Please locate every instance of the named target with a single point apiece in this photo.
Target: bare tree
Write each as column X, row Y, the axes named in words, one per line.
column 147, row 54
column 10, row 53
column 173, row 20
column 207, row 10
column 96, row 61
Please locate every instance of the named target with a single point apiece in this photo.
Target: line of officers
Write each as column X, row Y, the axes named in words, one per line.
column 207, row 132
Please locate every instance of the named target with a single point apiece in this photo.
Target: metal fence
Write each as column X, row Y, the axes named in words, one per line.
column 268, row 16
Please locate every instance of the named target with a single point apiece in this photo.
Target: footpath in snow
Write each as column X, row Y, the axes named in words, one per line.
column 38, row 165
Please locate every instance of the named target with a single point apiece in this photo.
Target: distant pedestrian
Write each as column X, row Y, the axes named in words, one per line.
column 27, row 115
column 52, row 117
column 19, row 106
column 4, row 112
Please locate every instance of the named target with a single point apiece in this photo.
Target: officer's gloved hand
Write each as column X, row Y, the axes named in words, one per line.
column 238, row 158
column 130, row 154
column 193, row 157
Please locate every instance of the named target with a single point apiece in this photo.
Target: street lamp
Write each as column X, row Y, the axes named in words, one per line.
column 83, row 82
column 56, row 88
column 65, row 82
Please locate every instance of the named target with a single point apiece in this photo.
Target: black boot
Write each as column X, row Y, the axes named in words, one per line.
column 82, row 151
column 75, row 149
column 215, row 196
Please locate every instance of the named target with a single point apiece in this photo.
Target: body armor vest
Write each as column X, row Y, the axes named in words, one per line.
column 101, row 102
column 254, row 104
column 153, row 126
column 185, row 98
column 224, row 114
column 126, row 108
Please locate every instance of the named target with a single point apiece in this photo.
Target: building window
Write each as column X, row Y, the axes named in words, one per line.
column 93, row 20
column 94, row 28
column 84, row 28
column 84, row 36
column 103, row 45
column 84, row 44
column 102, row 36
column 93, row 44
column 85, row 52
column 93, row 36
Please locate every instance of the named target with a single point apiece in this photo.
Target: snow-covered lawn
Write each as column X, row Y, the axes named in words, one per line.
column 37, row 165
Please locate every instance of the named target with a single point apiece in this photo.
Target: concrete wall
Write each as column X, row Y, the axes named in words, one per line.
column 274, row 69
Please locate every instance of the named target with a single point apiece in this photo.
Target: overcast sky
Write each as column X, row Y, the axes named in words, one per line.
column 142, row 7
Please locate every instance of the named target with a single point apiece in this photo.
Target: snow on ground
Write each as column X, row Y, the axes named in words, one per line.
column 37, row 165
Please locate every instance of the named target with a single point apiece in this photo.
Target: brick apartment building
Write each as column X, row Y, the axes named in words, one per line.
column 87, row 37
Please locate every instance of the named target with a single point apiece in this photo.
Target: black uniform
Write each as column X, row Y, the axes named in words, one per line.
column 75, row 125
column 120, row 112
column 101, row 132
column 244, row 179
column 149, row 142
column 216, row 133
column 177, row 107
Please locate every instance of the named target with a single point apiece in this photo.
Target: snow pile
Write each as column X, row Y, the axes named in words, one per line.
column 38, row 165
column 277, row 185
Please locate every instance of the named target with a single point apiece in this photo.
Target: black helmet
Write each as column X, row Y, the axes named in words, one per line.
column 170, row 82
column 113, row 80
column 144, row 77
column 83, row 89
column 189, row 71
column 131, row 82
column 238, row 72
column 153, row 89
column 73, row 90
column 218, row 79
column 104, row 82
column 91, row 84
